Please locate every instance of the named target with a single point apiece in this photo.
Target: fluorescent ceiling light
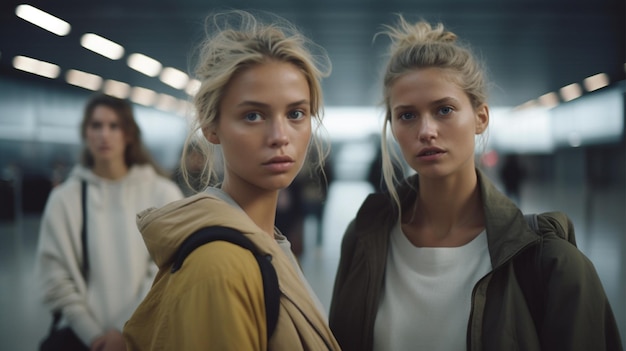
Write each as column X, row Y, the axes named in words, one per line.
column 192, row 87
column 116, row 88
column 83, row 79
column 43, row 19
column 174, row 77
column 185, row 108
column 571, row 92
column 35, row 66
column 102, row 46
column 549, row 100
column 143, row 96
column 167, row 103
column 596, row 82
column 144, row 64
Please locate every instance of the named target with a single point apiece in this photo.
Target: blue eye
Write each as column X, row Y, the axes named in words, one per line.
column 446, row 110
column 406, row 116
column 252, row 116
column 296, row 114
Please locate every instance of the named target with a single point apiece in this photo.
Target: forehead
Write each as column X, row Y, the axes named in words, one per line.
column 268, row 80
column 426, row 83
column 104, row 113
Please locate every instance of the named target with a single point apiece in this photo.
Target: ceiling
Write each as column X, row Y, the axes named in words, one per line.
column 530, row 47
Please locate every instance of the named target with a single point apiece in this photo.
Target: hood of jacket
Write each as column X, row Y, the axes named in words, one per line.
column 164, row 229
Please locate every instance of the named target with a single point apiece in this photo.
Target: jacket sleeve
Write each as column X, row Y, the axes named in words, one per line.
column 348, row 315
column 577, row 312
column 57, row 264
column 219, row 302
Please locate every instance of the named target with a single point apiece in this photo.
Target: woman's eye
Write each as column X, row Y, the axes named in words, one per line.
column 406, row 116
column 296, row 114
column 445, row 110
column 253, row 116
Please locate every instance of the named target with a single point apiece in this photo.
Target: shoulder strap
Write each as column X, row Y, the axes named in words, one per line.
column 556, row 222
column 83, row 233
column 531, row 219
column 268, row 273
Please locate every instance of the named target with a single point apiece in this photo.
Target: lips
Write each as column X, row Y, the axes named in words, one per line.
column 279, row 159
column 430, row 151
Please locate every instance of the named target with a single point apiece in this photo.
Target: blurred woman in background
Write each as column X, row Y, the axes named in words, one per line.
column 94, row 282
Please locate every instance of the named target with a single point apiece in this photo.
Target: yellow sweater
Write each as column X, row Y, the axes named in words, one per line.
column 215, row 301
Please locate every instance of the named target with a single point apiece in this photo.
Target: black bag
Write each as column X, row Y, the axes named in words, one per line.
column 64, row 339
column 268, row 273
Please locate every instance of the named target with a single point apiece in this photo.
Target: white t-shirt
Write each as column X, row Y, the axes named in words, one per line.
column 426, row 298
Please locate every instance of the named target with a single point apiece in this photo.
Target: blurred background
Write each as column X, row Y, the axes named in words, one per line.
column 556, row 138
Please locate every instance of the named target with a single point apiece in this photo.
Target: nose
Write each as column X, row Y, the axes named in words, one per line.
column 278, row 132
column 427, row 129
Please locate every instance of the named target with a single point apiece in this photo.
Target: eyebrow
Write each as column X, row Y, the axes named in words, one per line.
column 436, row 102
column 261, row 104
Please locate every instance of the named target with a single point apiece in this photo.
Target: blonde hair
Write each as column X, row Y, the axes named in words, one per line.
column 417, row 46
column 237, row 40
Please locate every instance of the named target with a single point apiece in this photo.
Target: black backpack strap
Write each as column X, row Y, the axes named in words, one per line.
column 531, row 219
column 268, row 273
column 83, row 233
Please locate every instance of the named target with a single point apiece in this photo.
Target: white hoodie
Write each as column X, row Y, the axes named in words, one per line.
column 120, row 268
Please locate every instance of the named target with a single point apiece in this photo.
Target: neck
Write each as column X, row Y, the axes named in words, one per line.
column 260, row 206
column 447, row 212
column 110, row 170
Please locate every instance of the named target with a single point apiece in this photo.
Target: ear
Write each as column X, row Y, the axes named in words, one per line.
column 210, row 135
column 482, row 118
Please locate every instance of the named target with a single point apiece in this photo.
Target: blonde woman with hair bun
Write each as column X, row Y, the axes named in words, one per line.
column 254, row 111
column 443, row 260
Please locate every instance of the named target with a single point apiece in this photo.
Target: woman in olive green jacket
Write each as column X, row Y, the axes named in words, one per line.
column 444, row 261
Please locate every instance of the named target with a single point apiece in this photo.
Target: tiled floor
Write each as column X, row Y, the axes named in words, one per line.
column 23, row 321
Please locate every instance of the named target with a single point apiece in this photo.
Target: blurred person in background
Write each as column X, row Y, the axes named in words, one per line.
column 260, row 93
column 443, row 260
column 94, row 288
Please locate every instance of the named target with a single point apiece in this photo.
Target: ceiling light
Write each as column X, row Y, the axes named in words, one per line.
column 527, row 105
column 144, row 64
column 185, row 108
column 83, row 79
column 102, row 46
column 43, row 19
column 192, row 87
column 549, row 100
column 35, row 66
column 596, row 82
column 116, row 88
column 571, row 92
column 143, row 96
column 167, row 103
column 174, row 77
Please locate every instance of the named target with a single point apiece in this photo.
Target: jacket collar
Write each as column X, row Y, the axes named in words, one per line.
column 507, row 231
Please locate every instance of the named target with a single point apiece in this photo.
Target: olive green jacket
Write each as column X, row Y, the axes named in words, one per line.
column 542, row 294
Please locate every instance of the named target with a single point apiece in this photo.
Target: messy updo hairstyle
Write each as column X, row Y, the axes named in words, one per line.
column 235, row 41
column 417, row 46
